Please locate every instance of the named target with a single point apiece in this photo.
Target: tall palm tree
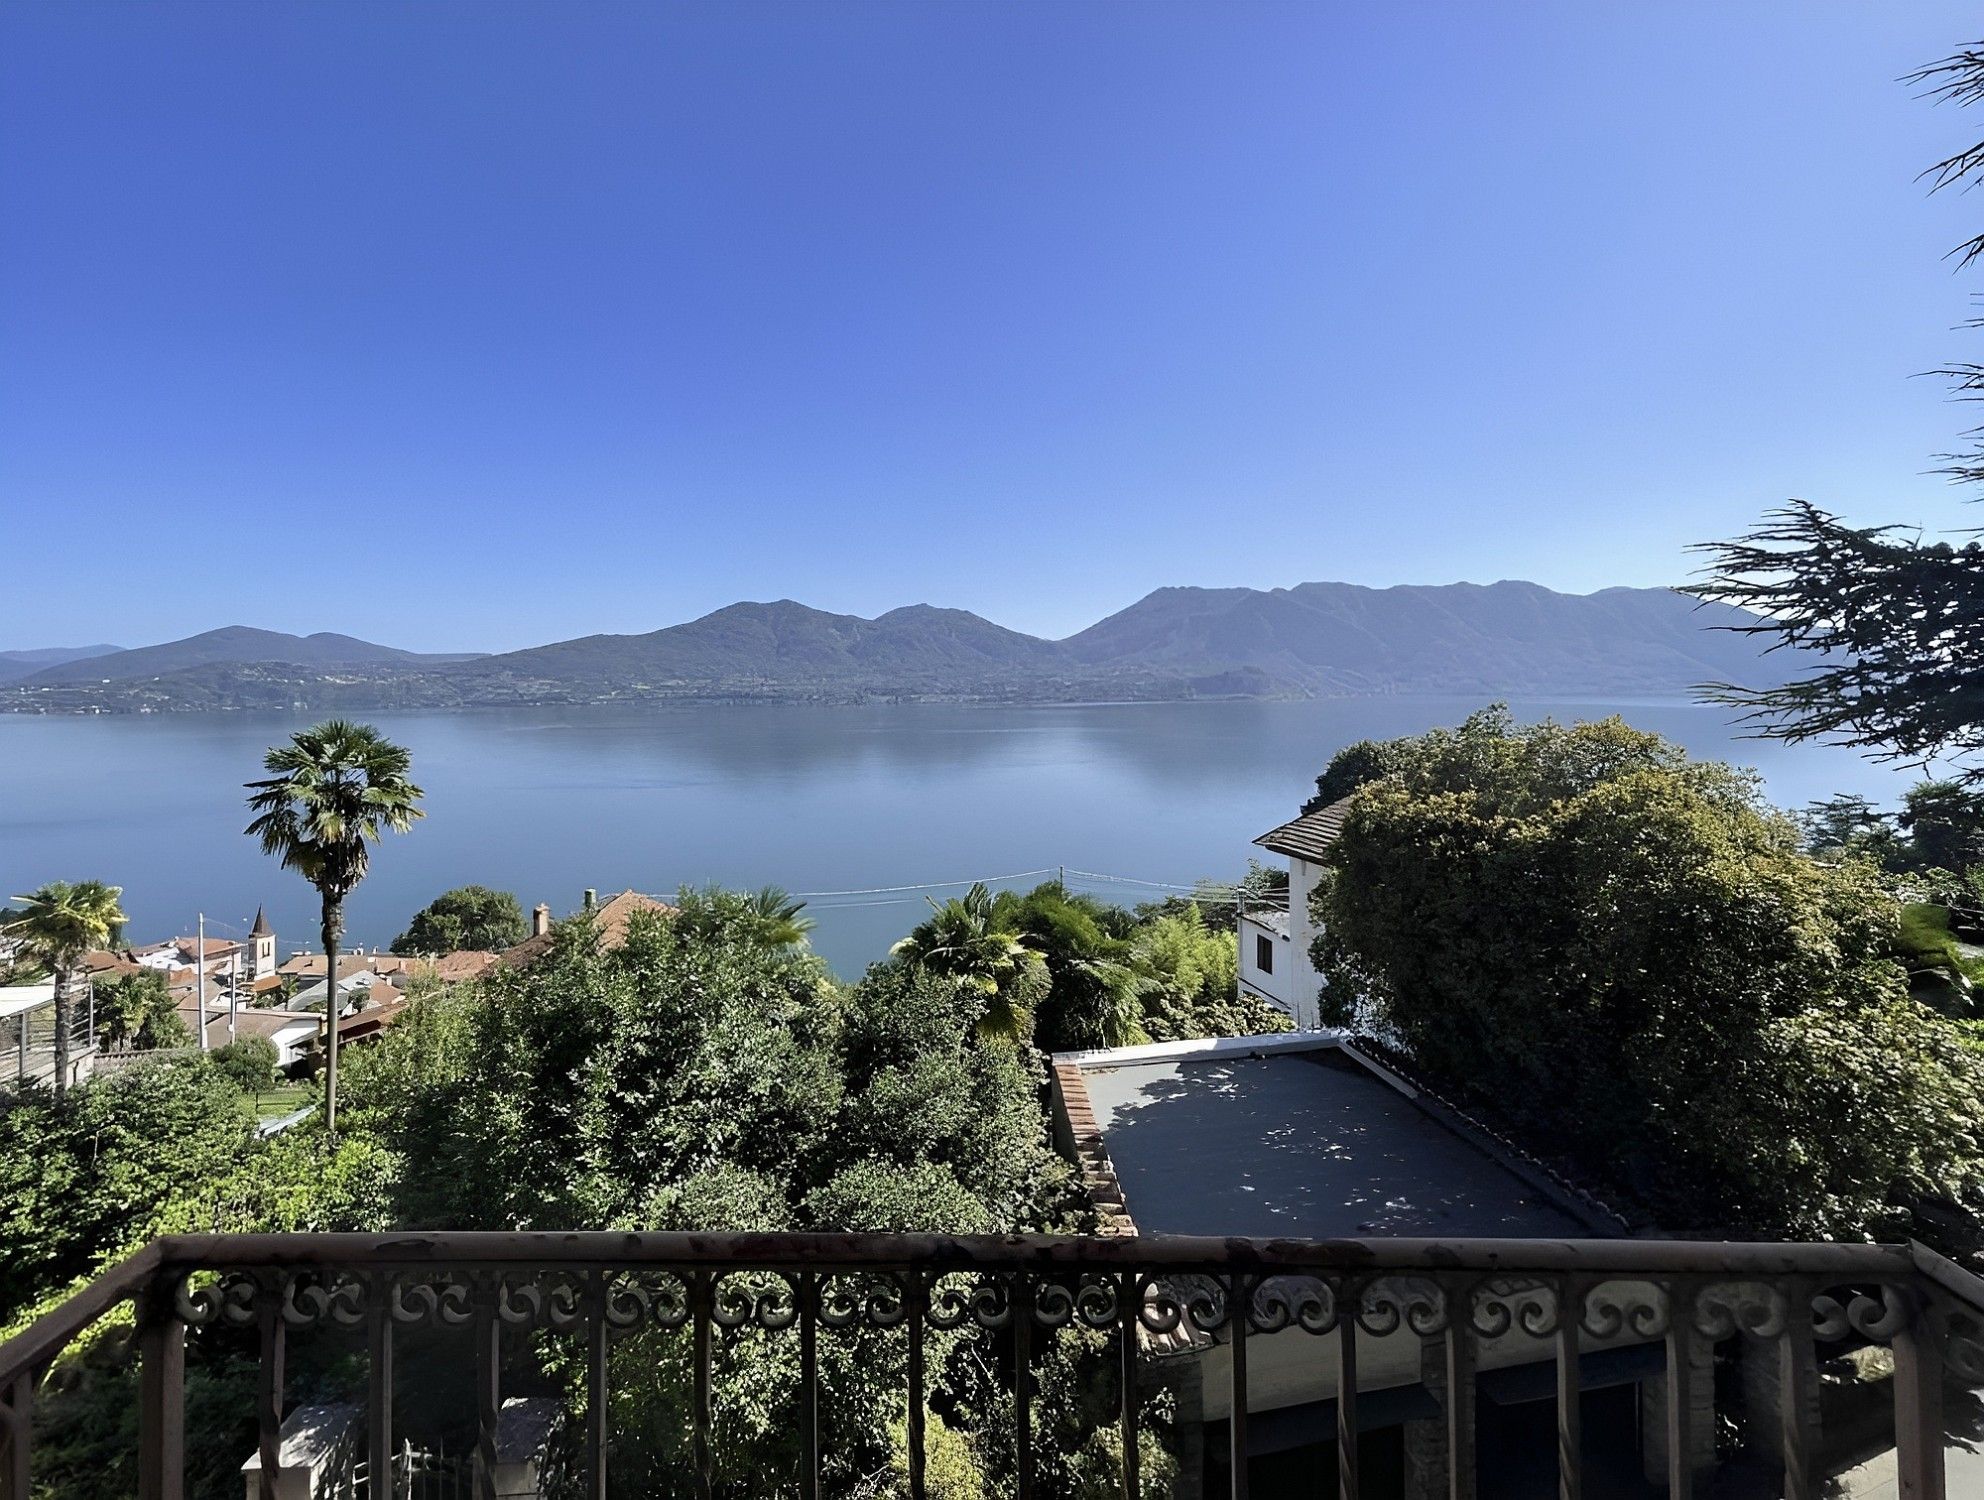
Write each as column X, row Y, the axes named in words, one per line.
column 964, row 940
column 58, row 924
column 329, row 790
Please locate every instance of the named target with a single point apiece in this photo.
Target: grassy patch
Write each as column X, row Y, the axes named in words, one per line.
column 286, row 1100
column 1941, row 973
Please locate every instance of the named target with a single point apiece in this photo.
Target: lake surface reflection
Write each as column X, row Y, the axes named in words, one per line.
column 548, row 802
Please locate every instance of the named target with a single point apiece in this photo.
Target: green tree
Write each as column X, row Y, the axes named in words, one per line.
column 58, row 923
column 1095, row 990
column 1895, row 623
column 331, row 791
column 1351, row 767
column 84, row 1174
column 138, row 1011
column 248, row 1063
column 1944, row 821
column 695, row 1077
column 1624, row 954
column 963, row 940
column 468, row 917
column 1846, row 823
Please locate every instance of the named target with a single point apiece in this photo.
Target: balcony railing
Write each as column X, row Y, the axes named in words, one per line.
column 1221, row 1305
column 27, row 1037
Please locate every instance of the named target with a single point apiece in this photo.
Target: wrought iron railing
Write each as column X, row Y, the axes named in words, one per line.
column 1157, row 1297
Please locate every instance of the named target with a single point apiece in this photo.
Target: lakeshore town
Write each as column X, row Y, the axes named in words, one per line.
column 227, row 990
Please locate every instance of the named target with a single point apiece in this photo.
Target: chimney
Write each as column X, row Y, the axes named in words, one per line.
column 540, row 920
column 592, row 898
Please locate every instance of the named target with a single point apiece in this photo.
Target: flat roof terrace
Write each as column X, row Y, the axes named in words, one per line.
column 1301, row 1137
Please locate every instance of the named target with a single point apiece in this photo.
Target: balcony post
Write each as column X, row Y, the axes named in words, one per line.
column 1237, row 1296
column 161, row 1395
column 1350, row 1300
column 1022, row 1304
column 1918, row 1401
column 596, row 1386
column 1677, row 1406
column 808, row 1289
column 488, row 1381
column 273, row 1339
column 379, row 1385
column 1130, row 1294
column 17, row 1437
column 1570, row 1390
column 1781, row 1393
column 913, row 1295
column 702, row 1293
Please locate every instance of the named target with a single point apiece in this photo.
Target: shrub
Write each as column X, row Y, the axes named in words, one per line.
column 249, row 1064
column 1624, row 953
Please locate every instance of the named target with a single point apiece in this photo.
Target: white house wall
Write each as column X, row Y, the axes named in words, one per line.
column 1304, row 983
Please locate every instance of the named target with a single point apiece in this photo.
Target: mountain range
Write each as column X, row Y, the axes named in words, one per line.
column 18, row 664
column 1316, row 639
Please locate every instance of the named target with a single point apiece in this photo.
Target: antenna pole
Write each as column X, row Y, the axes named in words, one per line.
column 200, row 984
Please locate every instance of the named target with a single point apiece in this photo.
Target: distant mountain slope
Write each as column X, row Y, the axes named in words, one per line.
column 786, row 642
column 17, row 664
column 1503, row 637
column 232, row 644
column 1483, row 640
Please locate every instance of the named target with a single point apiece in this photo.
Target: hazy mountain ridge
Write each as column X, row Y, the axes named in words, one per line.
column 17, row 664
column 232, row 645
column 1316, row 639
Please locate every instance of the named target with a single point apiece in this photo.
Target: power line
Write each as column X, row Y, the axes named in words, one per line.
column 928, row 885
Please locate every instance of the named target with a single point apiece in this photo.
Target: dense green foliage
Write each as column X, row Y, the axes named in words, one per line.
column 138, row 1012
column 766, row 917
column 249, row 1064
column 706, row 1073
column 81, row 1174
column 702, row 1076
column 1071, row 971
column 1622, row 952
column 971, row 942
column 468, row 917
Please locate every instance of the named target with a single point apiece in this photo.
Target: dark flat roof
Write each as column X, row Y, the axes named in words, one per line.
column 1300, row 1144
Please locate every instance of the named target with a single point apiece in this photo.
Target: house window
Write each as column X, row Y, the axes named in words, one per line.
column 1263, row 954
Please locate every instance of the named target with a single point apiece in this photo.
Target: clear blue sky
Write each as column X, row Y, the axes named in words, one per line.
column 577, row 317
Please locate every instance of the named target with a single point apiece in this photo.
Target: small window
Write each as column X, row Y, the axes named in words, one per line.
column 1263, row 953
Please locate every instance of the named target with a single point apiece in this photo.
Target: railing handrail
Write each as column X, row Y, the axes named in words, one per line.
column 596, row 1249
column 1046, row 1254
column 50, row 1333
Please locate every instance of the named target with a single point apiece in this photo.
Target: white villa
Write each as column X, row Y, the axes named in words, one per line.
column 1274, row 942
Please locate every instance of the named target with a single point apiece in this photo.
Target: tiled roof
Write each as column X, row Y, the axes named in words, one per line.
column 610, row 918
column 1309, row 836
column 466, row 963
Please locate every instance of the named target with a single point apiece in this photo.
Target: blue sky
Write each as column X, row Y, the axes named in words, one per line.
column 556, row 319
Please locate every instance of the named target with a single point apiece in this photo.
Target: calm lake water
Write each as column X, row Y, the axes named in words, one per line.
column 548, row 802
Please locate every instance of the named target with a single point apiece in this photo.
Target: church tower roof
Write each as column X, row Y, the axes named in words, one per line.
column 261, row 927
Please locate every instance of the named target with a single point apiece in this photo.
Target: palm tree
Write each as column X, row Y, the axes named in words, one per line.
column 765, row 918
column 775, row 918
column 964, row 940
column 329, row 790
column 58, row 924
